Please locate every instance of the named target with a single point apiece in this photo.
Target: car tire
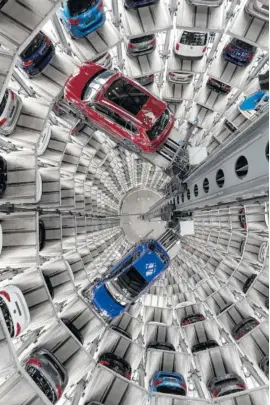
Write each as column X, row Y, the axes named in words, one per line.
column 130, row 145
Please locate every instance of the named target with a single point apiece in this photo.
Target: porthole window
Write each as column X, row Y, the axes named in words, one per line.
column 182, row 197
column 196, row 190
column 188, row 194
column 220, row 178
column 267, row 151
column 206, row 185
column 241, row 167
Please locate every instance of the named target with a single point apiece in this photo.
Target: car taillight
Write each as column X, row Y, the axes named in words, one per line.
column 171, row 74
column 228, row 88
column 257, row 323
column 183, row 385
column 177, row 46
column 204, row 49
column 154, row 41
column 189, row 76
column 228, row 48
column 241, row 386
column 18, row 329
column 185, row 323
column 100, row 6
column 202, row 318
column 73, row 21
column 131, row 46
column 47, row 41
column 241, row 334
column 216, row 392
column 157, row 382
column 28, row 63
column 59, row 391
column 12, row 95
column 33, row 360
column 104, row 363
column 127, row 374
column 4, row 293
column 249, row 57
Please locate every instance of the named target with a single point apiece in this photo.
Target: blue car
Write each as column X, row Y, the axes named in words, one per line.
column 139, row 3
column 128, row 280
column 239, row 53
column 168, row 383
column 81, row 17
column 37, row 55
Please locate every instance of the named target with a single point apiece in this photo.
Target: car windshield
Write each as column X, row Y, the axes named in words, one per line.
column 244, row 45
column 131, row 282
column 94, row 85
column 3, row 102
column 80, row 6
column 171, row 390
column 193, row 38
column 127, row 96
column 33, row 46
column 139, row 40
column 159, row 125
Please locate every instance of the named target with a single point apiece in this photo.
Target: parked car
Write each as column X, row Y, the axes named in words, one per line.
column 209, row 344
column 104, row 60
column 238, row 52
column 248, row 283
column 262, row 252
column 2, row 3
column 121, row 331
column 180, row 77
column 206, row 3
column 252, row 105
column 80, row 18
column 243, row 327
column 10, row 110
column 226, row 384
column 168, row 383
column 191, row 45
column 37, row 55
column 217, row 86
column 141, row 45
column 49, row 285
column 3, row 176
column 139, row 3
column 193, row 318
column 258, row 9
column 14, row 309
column 42, row 235
column 161, row 346
column 128, row 280
column 243, row 219
column 116, row 363
column 48, row 373
column 264, row 365
column 230, row 126
column 145, row 80
column 120, row 107
column 242, row 246
column 75, row 331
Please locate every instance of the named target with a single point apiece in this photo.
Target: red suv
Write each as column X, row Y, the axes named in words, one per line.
column 120, row 106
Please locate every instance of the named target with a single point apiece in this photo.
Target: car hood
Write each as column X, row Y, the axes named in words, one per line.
column 104, row 302
column 151, row 111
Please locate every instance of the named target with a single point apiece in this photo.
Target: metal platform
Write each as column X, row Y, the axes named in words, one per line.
column 144, row 65
column 175, row 63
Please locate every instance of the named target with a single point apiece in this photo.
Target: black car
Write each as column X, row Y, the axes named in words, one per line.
column 230, row 126
column 139, row 3
column 49, row 285
column 3, row 176
column 248, row 283
column 217, row 86
column 161, row 346
column 122, row 332
column 192, row 319
column 116, row 363
column 209, row 344
column 73, row 330
column 243, row 327
column 42, row 235
column 264, row 365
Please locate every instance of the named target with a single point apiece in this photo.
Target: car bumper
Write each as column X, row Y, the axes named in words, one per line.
column 143, row 3
column 179, row 81
column 81, row 32
column 253, row 12
column 235, row 61
column 135, row 54
column 10, row 128
column 189, row 57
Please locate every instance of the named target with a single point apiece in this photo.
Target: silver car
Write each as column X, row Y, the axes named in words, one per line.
column 258, row 9
column 48, row 373
column 10, row 109
column 141, row 46
column 180, row 77
column 206, row 3
column 226, row 384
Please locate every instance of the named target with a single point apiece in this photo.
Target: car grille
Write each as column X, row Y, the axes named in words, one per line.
column 7, row 317
column 42, row 383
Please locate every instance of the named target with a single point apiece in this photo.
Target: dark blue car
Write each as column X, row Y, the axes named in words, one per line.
column 239, row 53
column 128, row 280
column 81, row 17
column 168, row 383
column 139, row 3
column 37, row 55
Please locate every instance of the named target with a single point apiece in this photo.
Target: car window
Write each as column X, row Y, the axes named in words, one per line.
column 3, row 102
column 139, row 40
column 159, row 125
column 94, row 85
column 33, row 46
column 228, row 381
column 127, row 96
column 80, row 6
column 243, row 45
column 113, row 116
column 132, row 281
column 193, row 38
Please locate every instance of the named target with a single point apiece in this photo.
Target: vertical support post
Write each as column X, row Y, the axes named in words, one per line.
column 23, row 84
column 116, row 15
column 166, row 47
column 214, row 47
column 246, row 363
column 196, row 380
column 78, row 393
column 173, row 6
column 60, row 33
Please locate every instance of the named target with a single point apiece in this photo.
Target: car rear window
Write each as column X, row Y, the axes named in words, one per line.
column 243, row 45
column 159, row 125
column 142, row 39
column 127, row 96
column 33, row 46
column 80, row 6
column 171, row 390
column 3, row 102
column 193, row 38
column 224, row 383
column 132, row 281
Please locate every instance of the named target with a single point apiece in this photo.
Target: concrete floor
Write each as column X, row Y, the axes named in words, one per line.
column 139, row 202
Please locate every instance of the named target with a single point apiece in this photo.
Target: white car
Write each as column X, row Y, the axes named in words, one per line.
column 206, row 3
column 180, row 77
column 191, row 45
column 10, row 109
column 44, row 139
column 258, row 9
column 14, row 309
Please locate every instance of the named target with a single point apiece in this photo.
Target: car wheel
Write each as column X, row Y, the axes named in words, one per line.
column 130, row 145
